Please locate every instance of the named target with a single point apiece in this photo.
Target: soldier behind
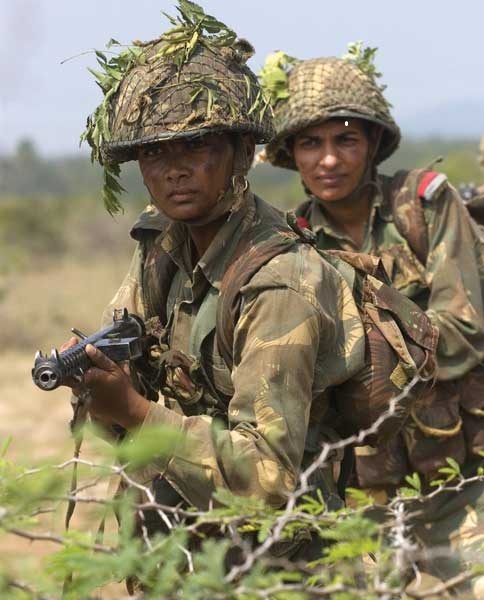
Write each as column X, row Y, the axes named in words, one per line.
column 334, row 126
column 190, row 114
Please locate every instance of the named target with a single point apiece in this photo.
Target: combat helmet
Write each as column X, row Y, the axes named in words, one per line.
column 191, row 80
column 324, row 88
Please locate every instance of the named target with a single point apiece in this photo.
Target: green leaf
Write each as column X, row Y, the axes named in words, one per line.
column 454, row 464
column 360, row 497
column 406, row 492
column 101, row 57
column 101, row 77
column 273, row 76
column 364, row 59
column 148, row 445
column 414, row 481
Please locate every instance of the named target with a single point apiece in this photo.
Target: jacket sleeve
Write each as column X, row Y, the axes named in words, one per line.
column 129, row 293
column 455, row 273
column 259, row 453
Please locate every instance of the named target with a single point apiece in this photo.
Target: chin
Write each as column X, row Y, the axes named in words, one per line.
column 330, row 196
column 187, row 212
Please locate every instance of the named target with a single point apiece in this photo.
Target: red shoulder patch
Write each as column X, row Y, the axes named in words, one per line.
column 430, row 183
column 303, row 223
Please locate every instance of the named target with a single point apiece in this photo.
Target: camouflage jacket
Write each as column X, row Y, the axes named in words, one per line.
column 298, row 332
column 449, row 286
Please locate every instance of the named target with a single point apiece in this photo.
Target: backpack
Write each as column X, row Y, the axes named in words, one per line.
column 464, row 399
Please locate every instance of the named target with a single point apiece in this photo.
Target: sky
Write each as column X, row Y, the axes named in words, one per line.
column 430, row 53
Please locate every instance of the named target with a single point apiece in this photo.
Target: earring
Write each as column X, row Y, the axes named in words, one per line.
column 237, row 180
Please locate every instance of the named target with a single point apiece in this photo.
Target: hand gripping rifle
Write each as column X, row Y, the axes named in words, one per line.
column 122, row 340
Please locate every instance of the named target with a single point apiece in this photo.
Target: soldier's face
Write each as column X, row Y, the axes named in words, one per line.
column 331, row 157
column 185, row 178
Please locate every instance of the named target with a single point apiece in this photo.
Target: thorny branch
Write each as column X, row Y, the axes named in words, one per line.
column 406, row 552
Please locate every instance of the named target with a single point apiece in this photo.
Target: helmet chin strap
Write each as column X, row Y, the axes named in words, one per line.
column 231, row 199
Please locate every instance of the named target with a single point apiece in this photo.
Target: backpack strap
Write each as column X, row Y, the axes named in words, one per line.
column 246, row 261
column 407, row 190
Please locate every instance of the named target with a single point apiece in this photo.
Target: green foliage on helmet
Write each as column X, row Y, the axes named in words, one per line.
column 273, row 76
column 364, row 58
column 191, row 79
column 97, row 127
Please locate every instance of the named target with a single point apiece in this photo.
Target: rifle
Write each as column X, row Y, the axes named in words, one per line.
column 120, row 341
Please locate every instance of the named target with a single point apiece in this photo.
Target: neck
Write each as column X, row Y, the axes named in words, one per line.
column 350, row 215
column 203, row 235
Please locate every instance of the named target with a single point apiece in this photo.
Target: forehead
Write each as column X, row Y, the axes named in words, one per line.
column 333, row 127
column 221, row 138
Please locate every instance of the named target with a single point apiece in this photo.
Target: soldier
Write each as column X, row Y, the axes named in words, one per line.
column 333, row 125
column 244, row 392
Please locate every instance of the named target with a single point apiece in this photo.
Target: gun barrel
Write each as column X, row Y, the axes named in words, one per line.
column 120, row 340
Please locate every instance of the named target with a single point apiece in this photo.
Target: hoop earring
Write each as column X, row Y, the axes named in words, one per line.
column 235, row 183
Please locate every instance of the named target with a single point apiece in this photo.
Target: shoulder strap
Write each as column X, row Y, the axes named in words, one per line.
column 158, row 273
column 407, row 209
column 246, row 261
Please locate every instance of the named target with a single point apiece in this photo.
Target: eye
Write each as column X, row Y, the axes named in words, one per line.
column 349, row 139
column 307, row 142
column 197, row 144
column 152, row 151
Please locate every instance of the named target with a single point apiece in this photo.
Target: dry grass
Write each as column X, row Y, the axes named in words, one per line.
column 40, row 307
column 38, row 310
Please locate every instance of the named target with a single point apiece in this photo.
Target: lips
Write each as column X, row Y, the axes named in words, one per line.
column 331, row 180
column 181, row 194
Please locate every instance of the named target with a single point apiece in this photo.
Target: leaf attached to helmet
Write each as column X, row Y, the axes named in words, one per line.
column 273, row 76
column 364, row 57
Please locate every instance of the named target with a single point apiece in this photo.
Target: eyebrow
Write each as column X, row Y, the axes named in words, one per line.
column 344, row 133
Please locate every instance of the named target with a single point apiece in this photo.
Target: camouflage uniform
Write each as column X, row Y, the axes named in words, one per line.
column 447, row 283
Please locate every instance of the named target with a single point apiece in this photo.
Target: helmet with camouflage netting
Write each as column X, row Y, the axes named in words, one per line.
column 307, row 92
column 192, row 80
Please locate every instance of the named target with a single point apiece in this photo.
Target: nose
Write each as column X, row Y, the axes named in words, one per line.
column 177, row 165
column 329, row 158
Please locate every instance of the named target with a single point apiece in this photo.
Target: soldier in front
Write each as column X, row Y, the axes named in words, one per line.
column 243, row 390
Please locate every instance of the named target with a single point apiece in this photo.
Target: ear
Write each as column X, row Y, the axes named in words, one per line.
column 142, row 168
column 249, row 143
